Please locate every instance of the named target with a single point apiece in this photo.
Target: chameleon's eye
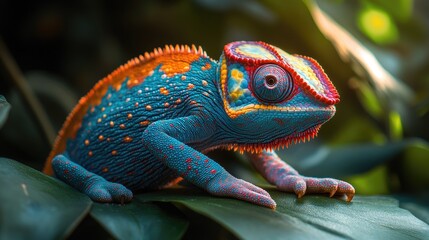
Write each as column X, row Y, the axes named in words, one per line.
column 272, row 84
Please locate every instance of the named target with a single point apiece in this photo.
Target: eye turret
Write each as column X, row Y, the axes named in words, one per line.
column 272, row 84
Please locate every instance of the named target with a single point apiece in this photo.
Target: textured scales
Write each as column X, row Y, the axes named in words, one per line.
column 147, row 125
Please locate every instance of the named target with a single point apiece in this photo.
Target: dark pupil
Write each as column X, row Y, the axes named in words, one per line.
column 270, row 80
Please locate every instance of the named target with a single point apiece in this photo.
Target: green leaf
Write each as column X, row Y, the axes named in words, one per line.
column 317, row 159
column 417, row 204
column 4, row 110
column 312, row 217
column 368, row 98
column 36, row 206
column 364, row 183
column 395, row 125
column 245, row 220
column 377, row 25
column 413, row 168
column 139, row 220
column 365, row 218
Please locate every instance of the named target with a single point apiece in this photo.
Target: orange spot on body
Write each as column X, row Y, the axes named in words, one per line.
column 112, row 124
column 132, row 82
column 90, row 153
column 136, row 104
column 190, row 86
column 105, row 169
column 178, row 101
column 166, row 104
column 144, row 123
column 99, row 120
column 129, row 116
column 101, row 137
column 204, row 82
column 122, row 126
column 127, row 139
column 183, row 77
column 86, row 142
column 148, row 107
column 206, row 67
column 114, row 152
column 164, row 91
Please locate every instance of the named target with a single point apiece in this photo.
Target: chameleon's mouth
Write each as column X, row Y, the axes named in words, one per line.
column 276, row 143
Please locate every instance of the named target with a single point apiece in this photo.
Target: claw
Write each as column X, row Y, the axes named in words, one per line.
column 350, row 196
column 273, row 206
column 300, row 188
column 302, row 185
column 347, row 189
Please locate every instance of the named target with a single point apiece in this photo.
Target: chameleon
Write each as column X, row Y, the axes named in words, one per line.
column 149, row 123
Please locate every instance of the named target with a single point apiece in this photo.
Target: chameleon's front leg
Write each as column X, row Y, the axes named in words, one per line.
column 287, row 179
column 166, row 140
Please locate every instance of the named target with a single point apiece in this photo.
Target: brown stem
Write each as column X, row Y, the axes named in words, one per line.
column 30, row 100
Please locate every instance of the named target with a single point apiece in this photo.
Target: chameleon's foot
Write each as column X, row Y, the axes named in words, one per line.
column 228, row 186
column 93, row 185
column 107, row 192
column 302, row 185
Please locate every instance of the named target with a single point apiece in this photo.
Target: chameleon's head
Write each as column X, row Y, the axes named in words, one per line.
column 273, row 98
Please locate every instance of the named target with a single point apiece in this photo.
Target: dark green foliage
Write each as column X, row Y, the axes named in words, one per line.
column 308, row 218
column 139, row 220
column 35, row 206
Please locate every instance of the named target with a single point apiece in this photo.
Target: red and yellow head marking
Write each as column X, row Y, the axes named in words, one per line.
column 241, row 59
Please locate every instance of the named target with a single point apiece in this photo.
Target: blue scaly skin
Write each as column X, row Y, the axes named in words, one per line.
column 146, row 125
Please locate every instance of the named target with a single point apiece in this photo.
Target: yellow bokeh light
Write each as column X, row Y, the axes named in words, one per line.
column 377, row 25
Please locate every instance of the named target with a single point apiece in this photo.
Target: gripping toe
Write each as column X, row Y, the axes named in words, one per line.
column 107, row 192
column 99, row 195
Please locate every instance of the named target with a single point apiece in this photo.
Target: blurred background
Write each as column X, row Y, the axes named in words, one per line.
column 376, row 53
